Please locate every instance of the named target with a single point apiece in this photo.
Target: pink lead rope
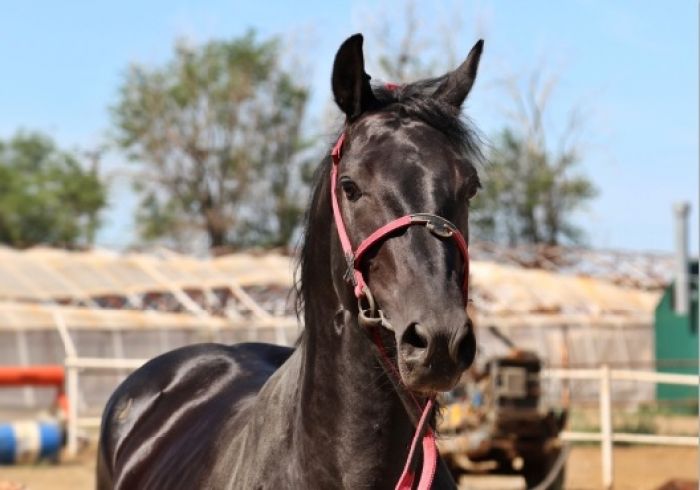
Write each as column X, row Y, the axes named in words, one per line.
column 440, row 227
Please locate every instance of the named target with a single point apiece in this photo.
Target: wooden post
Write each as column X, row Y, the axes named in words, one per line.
column 23, row 353
column 565, row 356
column 71, row 381
column 72, row 426
column 606, row 442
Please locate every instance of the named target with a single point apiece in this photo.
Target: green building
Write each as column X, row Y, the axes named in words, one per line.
column 676, row 337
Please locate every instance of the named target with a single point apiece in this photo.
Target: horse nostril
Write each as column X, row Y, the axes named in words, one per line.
column 464, row 349
column 416, row 336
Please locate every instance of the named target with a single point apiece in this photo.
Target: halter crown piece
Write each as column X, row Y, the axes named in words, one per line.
column 372, row 317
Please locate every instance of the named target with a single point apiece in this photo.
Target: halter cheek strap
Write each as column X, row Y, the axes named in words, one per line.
column 441, row 228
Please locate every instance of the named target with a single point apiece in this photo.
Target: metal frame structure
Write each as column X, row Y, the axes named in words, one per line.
column 75, row 293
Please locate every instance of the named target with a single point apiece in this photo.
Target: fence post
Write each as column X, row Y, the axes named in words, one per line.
column 72, row 393
column 72, row 386
column 606, row 441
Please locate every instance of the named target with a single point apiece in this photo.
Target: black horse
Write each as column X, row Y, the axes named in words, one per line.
column 326, row 414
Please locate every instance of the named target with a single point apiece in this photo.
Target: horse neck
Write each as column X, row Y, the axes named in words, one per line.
column 349, row 406
column 350, row 424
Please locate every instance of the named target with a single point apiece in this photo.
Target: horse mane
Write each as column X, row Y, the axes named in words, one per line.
column 313, row 263
column 416, row 100
column 313, row 283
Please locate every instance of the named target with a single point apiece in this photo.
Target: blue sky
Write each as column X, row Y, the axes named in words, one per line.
column 632, row 65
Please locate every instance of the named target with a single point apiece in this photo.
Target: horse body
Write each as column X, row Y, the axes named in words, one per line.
column 254, row 416
column 328, row 413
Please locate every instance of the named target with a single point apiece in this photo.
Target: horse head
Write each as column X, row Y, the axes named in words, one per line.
column 404, row 154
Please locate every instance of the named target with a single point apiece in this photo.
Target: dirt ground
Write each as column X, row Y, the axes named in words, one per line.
column 636, row 468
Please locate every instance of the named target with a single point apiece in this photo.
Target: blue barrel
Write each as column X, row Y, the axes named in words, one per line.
column 29, row 441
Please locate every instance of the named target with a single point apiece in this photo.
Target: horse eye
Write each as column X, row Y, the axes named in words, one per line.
column 473, row 189
column 352, row 192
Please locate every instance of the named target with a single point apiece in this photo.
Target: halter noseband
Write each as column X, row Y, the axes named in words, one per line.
column 372, row 317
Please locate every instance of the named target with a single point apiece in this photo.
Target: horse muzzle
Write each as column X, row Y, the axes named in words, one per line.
column 432, row 359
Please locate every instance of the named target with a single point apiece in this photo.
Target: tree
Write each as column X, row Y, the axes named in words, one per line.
column 217, row 130
column 404, row 53
column 46, row 196
column 532, row 188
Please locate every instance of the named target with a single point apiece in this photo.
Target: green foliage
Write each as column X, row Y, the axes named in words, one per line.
column 530, row 193
column 217, row 131
column 46, row 197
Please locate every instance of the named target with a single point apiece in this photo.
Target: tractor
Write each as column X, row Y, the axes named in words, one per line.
column 493, row 423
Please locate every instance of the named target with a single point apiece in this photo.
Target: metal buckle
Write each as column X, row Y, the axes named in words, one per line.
column 436, row 225
column 368, row 315
column 369, row 299
column 441, row 230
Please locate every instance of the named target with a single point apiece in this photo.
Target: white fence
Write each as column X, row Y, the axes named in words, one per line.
column 604, row 376
column 285, row 330
column 74, row 366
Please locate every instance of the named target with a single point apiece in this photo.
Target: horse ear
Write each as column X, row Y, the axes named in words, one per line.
column 351, row 88
column 459, row 82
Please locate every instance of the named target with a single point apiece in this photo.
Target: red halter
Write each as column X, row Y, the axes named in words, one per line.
column 441, row 228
